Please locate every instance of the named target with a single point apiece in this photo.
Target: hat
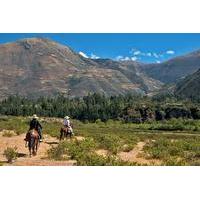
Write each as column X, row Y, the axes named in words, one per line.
column 35, row 116
column 67, row 117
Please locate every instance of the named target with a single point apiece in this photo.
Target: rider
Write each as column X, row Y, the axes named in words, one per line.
column 35, row 124
column 67, row 124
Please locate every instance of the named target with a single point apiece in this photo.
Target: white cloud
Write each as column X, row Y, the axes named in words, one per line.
column 126, row 58
column 119, row 57
column 83, row 54
column 122, row 58
column 149, row 54
column 135, row 53
column 134, row 58
column 171, row 52
column 93, row 56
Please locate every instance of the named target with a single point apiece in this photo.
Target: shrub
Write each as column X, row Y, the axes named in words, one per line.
column 76, row 149
column 83, row 152
column 7, row 133
column 57, row 152
column 10, row 153
column 127, row 147
column 110, row 142
column 98, row 121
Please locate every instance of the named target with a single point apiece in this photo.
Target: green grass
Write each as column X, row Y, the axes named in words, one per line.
column 84, row 153
column 174, row 142
column 10, row 153
column 175, row 151
column 17, row 124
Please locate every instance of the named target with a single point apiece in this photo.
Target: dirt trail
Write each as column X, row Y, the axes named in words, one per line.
column 136, row 155
column 24, row 160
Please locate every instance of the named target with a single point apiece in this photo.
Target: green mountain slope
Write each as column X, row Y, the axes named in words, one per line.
column 189, row 87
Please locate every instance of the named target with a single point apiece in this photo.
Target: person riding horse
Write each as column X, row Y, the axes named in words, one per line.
column 67, row 124
column 35, row 124
column 67, row 129
column 33, row 136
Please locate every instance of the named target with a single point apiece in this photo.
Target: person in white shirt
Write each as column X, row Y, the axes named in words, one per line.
column 67, row 124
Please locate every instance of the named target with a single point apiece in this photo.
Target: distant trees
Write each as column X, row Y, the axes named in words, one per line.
column 133, row 108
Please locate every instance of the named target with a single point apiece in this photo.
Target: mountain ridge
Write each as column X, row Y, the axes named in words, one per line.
column 41, row 67
column 174, row 69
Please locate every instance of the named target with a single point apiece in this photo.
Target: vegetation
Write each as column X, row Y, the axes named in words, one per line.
column 7, row 133
column 84, row 153
column 10, row 154
column 169, row 127
column 94, row 107
column 175, row 151
column 173, row 142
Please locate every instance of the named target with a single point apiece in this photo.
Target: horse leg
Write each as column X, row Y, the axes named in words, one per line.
column 30, row 153
column 36, row 146
column 33, row 151
column 66, row 134
column 61, row 134
column 70, row 135
column 33, row 147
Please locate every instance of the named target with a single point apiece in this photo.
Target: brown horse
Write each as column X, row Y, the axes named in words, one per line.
column 32, row 138
column 64, row 132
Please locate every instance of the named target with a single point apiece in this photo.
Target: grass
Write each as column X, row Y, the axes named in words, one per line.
column 17, row 124
column 175, row 152
column 84, row 153
column 174, row 142
column 10, row 153
column 8, row 133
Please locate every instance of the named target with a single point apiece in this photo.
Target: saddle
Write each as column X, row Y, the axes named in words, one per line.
column 29, row 134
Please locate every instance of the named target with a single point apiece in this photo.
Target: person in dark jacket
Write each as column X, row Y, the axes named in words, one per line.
column 35, row 124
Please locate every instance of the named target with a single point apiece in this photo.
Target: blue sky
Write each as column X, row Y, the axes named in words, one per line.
column 141, row 47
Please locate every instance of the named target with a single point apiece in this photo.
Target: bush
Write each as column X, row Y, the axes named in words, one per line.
column 110, row 142
column 7, row 133
column 84, row 153
column 127, row 147
column 10, row 153
column 76, row 149
column 57, row 152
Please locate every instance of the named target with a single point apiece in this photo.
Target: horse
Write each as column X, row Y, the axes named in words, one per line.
column 64, row 132
column 33, row 142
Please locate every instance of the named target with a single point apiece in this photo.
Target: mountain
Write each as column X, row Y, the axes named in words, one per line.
column 36, row 67
column 174, row 69
column 132, row 70
column 189, row 87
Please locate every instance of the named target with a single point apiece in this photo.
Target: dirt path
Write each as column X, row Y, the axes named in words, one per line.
column 136, row 155
column 24, row 160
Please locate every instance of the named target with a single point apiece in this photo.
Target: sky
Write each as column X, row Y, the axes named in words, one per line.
column 142, row 47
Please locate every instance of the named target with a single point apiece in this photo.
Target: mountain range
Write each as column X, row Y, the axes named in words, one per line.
column 174, row 69
column 36, row 67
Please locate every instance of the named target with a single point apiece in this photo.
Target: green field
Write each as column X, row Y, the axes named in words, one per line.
column 172, row 142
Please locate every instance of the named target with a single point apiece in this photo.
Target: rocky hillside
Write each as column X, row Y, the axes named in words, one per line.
column 174, row 69
column 35, row 67
column 189, row 87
